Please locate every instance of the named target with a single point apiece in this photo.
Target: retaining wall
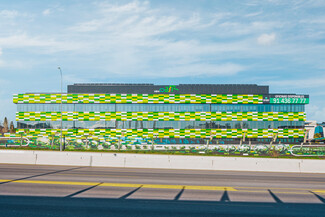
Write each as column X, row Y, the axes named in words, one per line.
column 161, row 161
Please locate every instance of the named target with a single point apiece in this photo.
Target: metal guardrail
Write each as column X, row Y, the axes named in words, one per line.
column 302, row 150
column 320, row 152
column 14, row 138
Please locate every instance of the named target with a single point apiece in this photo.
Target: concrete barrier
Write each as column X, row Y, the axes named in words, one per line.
column 147, row 160
column 191, row 162
column 17, row 157
column 62, row 158
column 312, row 166
column 162, row 161
column 108, row 160
column 256, row 164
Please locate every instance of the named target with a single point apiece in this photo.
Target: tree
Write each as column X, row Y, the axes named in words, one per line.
column 52, row 135
column 317, row 135
column 5, row 126
column 21, row 137
column 1, row 128
column 12, row 127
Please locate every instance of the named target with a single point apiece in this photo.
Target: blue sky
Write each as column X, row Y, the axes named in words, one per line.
column 272, row 42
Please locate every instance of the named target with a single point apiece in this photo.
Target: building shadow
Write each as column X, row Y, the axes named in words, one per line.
column 17, row 206
column 274, row 196
column 179, row 194
column 43, row 174
column 225, row 196
column 130, row 193
column 322, row 199
column 84, row 190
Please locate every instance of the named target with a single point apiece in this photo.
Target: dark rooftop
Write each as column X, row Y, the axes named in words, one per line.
column 146, row 88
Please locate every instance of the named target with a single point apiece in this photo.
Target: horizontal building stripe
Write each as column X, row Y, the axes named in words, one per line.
column 139, row 98
column 161, row 116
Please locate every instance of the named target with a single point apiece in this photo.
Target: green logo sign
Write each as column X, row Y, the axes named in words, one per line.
column 289, row 100
column 168, row 89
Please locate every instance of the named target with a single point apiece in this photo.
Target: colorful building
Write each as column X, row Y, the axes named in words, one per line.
column 171, row 114
column 313, row 128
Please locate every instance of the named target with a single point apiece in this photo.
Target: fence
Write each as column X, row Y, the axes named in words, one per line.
column 147, row 144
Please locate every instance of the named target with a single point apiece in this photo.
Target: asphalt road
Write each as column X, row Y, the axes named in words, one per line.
column 87, row 191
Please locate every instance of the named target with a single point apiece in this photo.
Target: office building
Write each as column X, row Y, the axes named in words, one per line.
column 170, row 114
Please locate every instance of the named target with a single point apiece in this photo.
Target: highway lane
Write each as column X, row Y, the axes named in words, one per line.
column 27, row 190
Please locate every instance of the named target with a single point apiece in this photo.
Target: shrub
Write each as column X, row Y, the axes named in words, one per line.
column 274, row 153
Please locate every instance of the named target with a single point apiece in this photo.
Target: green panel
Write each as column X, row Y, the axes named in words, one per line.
column 161, row 116
column 289, row 100
column 139, row 98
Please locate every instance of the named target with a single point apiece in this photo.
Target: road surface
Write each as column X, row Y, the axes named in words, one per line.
column 27, row 190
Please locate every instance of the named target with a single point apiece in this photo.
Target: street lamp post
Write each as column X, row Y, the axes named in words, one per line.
column 61, row 109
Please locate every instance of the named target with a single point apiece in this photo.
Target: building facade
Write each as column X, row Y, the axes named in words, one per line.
column 173, row 114
column 313, row 128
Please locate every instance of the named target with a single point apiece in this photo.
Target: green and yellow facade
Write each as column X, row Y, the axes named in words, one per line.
column 159, row 114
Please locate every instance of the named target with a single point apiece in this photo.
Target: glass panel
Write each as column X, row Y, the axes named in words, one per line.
column 158, row 107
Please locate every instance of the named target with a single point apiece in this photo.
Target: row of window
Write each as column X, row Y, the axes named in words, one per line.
column 166, row 141
column 161, row 124
column 162, row 107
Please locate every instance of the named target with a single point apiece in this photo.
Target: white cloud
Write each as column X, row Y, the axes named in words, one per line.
column 23, row 40
column 139, row 33
column 47, row 12
column 316, row 112
column 313, row 82
column 186, row 70
column 142, row 29
column 1, row 61
column 254, row 14
column 132, row 7
column 88, row 26
column 9, row 14
column 266, row 39
column 135, row 20
column 201, row 69
column 49, row 44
